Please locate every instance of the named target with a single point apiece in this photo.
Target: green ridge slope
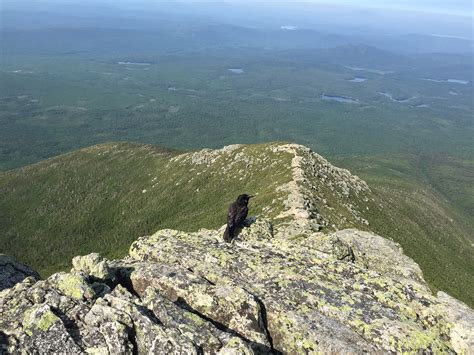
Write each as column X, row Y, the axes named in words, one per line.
column 102, row 198
column 423, row 218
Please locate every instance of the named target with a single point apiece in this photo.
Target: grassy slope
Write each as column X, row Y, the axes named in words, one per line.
column 94, row 200
column 421, row 214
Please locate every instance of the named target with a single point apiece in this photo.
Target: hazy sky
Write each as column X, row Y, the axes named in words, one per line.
column 461, row 7
column 458, row 7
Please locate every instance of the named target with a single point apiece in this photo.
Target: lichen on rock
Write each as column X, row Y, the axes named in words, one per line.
column 74, row 285
column 298, row 283
column 93, row 265
column 349, row 291
column 39, row 317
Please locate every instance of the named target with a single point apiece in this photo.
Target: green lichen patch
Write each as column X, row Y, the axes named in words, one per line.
column 72, row 285
column 40, row 317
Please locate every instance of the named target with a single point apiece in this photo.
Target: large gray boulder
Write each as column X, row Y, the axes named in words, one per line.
column 178, row 292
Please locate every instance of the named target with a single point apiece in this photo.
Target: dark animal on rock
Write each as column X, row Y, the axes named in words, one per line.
column 236, row 215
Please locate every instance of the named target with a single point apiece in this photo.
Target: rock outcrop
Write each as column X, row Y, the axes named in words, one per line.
column 294, row 284
column 177, row 292
column 313, row 194
column 12, row 272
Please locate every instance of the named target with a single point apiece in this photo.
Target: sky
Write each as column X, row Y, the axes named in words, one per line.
column 458, row 7
column 451, row 7
column 434, row 5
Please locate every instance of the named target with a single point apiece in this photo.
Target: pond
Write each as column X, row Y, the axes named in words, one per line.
column 391, row 97
column 289, row 28
column 452, row 81
column 344, row 99
column 358, row 79
column 134, row 63
column 370, row 70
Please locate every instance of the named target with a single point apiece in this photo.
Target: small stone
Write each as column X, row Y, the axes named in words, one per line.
column 93, row 265
column 72, row 285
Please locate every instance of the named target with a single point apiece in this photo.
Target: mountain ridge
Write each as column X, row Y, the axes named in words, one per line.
column 100, row 198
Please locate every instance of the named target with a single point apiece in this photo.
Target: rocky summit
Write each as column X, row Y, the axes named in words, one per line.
column 292, row 282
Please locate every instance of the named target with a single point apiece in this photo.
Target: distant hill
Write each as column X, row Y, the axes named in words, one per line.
column 99, row 199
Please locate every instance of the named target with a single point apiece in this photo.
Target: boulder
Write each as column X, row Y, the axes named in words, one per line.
column 12, row 272
column 292, row 291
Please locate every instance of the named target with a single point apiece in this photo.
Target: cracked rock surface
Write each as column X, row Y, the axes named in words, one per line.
column 191, row 293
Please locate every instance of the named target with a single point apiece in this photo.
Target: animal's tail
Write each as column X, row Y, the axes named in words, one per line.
column 229, row 234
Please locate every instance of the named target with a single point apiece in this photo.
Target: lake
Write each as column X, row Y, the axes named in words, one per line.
column 344, row 99
column 289, row 28
column 370, row 70
column 390, row 96
column 452, row 81
column 133, row 63
column 358, row 80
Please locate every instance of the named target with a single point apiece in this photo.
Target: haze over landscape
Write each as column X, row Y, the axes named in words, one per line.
column 101, row 101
